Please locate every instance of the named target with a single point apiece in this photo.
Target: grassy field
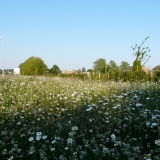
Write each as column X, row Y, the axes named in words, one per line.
column 68, row 119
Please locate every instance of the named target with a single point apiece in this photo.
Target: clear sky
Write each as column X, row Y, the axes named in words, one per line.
column 74, row 33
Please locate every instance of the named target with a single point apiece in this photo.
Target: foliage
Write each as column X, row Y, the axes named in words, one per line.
column 99, row 65
column 55, row 70
column 113, row 75
column 140, row 53
column 78, row 71
column 137, row 65
column 112, row 65
column 90, row 70
column 32, row 66
column 83, row 69
column 123, row 65
column 156, row 75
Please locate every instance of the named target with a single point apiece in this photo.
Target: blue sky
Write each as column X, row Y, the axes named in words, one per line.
column 74, row 33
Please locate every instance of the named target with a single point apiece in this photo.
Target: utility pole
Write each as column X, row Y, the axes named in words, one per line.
column 8, row 67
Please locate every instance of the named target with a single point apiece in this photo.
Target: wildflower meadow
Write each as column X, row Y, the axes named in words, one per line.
column 55, row 118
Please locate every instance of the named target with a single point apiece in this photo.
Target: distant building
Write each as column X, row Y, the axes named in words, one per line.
column 68, row 72
column 129, row 68
column 8, row 71
column 144, row 68
column 156, row 68
column 16, row 70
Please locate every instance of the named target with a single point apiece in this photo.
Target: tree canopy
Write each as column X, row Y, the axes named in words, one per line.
column 55, row 70
column 89, row 70
column 33, row 65
column 83, row 69
column 99, row 65
column 137, row 65
column 112, row 65
column 123, row 65
column 78, row 71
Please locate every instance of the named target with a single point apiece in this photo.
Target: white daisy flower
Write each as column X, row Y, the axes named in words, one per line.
column 74, row 128
column 113, row 136
column 31, row 139
column 38, row 138
column 39, row 133
column 157, row 142
column 44, row 137
column 52, row 149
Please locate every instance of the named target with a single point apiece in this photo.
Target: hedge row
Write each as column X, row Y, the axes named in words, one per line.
column 116, row 76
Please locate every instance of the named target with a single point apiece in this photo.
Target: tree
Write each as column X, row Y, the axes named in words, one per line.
column 137, row 65
column 112, row 65
column 141, row 53
column 123, row 65
column 89, row 70
column 78, row 70
column 55, row 70
column 99, row 65
column 33, row 65
column 83, row 69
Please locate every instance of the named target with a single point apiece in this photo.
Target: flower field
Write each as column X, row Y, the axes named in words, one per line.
column 68, row 119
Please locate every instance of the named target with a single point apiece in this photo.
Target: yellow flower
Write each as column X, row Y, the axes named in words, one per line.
column 148, row 155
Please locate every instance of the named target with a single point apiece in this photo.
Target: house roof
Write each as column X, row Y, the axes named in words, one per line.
column 157, row 67
column 129, row 68
column 144, row 68
column 67, row 72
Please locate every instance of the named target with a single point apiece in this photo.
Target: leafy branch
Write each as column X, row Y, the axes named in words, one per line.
column 141, row 53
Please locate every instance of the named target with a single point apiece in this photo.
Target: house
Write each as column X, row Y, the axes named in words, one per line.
column 144, row 68
column 7, row 71
column 129, row 68
column 156, row 68
column 68, row 72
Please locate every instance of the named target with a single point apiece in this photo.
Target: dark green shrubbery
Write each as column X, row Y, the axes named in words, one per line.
column 115, row 75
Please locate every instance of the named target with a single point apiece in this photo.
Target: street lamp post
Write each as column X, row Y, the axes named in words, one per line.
column 8, row 67
column 2, row 57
